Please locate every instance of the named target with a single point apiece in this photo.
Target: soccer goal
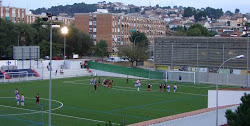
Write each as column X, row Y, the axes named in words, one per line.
column 16, row 76
column 185, row 76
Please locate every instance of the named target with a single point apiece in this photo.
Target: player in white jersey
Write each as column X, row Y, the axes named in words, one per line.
column 137, row 82
column 91, row 81
column 16, row 92
column 17, row 98
column 22, row 100
column 139, row 85
column 175, row 88
column 168, row 88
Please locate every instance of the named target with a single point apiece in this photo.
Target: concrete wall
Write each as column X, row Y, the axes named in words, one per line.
column 203, row 119
column 225, row 79
column 225, row 97
column 5, row 62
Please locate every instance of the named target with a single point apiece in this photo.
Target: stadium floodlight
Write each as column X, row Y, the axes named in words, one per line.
column 64, row 31
column 237, row 57
column 49, row 15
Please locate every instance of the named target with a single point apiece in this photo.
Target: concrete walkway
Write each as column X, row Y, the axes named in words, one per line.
column 202, row 117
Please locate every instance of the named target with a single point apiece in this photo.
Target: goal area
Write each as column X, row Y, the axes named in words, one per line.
column 185, row 76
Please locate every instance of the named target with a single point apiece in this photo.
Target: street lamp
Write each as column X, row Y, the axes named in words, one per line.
column 246, row 33
column 237, row 57
column 135, row 39
column 50, row 58
column 64, row 31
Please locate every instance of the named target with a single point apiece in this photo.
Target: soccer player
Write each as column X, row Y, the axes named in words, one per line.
column 179, row 78
column 175, row 88
column 168, row 88
column 37, row 98
column 95, row 86
column 164, row 86
column 104, row 81
column 99, row 81
column 16, row 92
column 91, row 81
column 139, row 85
column 95, row 81
column 22, row 100
column 160, row 87
column 149, row 86
column 111, row 83
column 137, row 82
column 17, row 98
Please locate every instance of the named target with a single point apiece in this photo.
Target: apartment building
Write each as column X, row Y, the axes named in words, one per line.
column 14, row 14
column 116, row 28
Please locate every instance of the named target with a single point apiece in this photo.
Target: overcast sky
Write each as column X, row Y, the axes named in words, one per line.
column 243, row 5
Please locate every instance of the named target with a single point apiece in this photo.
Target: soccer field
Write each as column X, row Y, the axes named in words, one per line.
column 76, row 104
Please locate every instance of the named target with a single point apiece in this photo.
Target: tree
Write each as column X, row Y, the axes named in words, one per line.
column 197, row 30
column 69, row 9
column 241, row 116
column 229, row 13
column 139, row 38
column 138, row 50
column 101, row 49
column 78, row 42
column 188, row 12
column 199, row 15
column 8, row 38
column 212, row 33
column 237, row 11
column 180, row 31
column 166, row 7
column 228, row 23
column 157, row 6
column 213, row 13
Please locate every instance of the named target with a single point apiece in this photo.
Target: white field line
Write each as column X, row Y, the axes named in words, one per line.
column 56, row 114
column 158, row 91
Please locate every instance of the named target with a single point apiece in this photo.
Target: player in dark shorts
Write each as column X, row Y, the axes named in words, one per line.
column 164, row 86
column 179, row 78
column 99, row 81
column 95, row 86
column 149, row 86
column 160, row 87
column 111, row 83
column 37, row 98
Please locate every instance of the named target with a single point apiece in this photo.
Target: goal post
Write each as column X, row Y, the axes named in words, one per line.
column 185, row 76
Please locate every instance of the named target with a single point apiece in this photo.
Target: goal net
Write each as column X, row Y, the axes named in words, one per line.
column 16, row 76
column 185, row 76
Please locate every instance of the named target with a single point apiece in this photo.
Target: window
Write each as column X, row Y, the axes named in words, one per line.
column 90, row 23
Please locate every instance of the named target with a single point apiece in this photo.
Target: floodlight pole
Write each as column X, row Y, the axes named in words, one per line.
column 237, row 57
column 247, row 59
column 64, row 31
column 50, row 58
column 64, row 51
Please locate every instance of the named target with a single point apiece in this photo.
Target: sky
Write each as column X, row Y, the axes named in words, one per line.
column 243, row 5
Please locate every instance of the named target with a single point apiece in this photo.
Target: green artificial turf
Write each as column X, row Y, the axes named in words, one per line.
column 84, row 107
